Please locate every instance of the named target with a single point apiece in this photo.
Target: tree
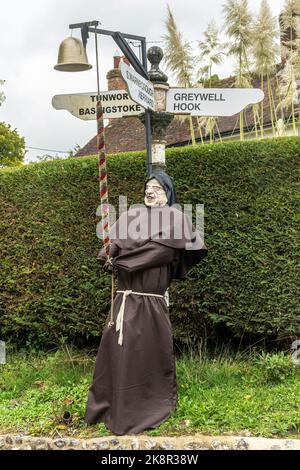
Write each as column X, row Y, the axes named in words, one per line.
column 265, row 52
column 238, row 24
column 288, row 90
column 178, row 58
column 211, row 49
column 12, row 146
column 291, row 70
column 288, row 20
column 72, row 152
column 211, row 53
column 46, row 157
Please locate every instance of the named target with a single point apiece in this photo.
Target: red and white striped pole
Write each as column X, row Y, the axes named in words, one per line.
column 103, row 186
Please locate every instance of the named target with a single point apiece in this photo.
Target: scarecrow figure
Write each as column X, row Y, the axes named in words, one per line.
column 134, row 385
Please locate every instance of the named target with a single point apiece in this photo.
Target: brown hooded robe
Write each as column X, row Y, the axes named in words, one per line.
column 134, row 384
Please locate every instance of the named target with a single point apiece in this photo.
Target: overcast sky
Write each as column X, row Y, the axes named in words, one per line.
column 30, row 33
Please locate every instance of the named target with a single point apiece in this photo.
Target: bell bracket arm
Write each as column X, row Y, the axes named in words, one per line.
column 119, row 38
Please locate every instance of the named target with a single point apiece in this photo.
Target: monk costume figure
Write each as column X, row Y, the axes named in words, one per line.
column 134, row 384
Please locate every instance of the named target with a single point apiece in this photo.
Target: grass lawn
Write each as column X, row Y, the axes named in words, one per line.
column 259, row 393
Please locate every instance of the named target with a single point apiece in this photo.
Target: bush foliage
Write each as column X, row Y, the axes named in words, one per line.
column 12, row 146
column 52, row 286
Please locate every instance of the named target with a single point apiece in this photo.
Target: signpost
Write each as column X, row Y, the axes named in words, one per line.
column 115, row 104
column 194, row 101
column 140, row 89
column 211, row 101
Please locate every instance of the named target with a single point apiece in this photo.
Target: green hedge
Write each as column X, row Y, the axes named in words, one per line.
column 52, row 286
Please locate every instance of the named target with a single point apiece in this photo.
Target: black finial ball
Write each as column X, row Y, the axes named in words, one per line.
column 154, row 55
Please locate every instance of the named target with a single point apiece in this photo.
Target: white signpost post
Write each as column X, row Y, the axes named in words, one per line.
column 116, row 104
column 211, row 101
column 140, row 89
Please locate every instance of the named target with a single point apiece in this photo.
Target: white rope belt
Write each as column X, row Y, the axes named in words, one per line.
column 120, row 316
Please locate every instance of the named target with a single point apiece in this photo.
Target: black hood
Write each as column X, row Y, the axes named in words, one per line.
column 167, row 183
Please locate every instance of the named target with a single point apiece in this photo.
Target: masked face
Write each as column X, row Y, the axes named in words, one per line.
column 155, row 195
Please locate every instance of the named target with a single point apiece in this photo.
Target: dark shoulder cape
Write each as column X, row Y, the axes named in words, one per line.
column 141, row 226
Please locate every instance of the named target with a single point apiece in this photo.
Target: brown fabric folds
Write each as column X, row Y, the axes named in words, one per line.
column 134, row 385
